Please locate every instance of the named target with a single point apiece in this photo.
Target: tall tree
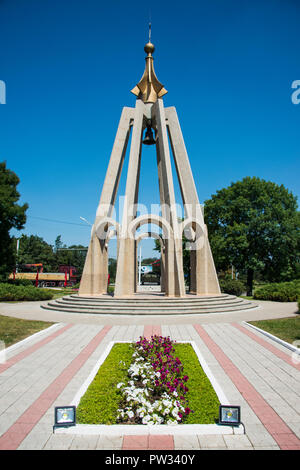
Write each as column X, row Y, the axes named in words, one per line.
column 34, row 249
column 74, row 255
column 112, row 269
column 254, row 225
column 58, row 243
column 12, row 215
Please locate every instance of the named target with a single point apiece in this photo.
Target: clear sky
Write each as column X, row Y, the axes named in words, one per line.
column 69, row 66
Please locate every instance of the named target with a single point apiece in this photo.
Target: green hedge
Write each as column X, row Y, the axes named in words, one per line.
column 19, row 282
column 280, row 292
column 232, row 286
column 9, row 292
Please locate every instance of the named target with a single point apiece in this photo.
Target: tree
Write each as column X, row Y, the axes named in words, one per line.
column 12, row 215
column 254, row 225
column 74, row 255
column 58, row 243
column 33, row 250
column 112, row 269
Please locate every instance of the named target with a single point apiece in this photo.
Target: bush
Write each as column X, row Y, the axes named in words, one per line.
column 111, row 289
column 232, row 286
column 279, row 292
column 9, row 292
column 19, row 282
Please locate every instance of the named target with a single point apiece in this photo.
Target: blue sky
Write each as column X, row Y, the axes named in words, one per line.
column 69, row 66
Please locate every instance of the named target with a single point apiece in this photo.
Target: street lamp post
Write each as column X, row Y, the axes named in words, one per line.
column 82, row 218
column 140, row 265
column 18, row 244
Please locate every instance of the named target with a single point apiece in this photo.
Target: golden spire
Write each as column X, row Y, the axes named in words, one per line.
column 149, row 88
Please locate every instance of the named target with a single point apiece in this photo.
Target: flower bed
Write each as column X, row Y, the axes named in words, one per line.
column 149, row 382
column 156, row 391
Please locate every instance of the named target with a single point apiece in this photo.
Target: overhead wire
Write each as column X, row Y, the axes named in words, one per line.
column 56, row 221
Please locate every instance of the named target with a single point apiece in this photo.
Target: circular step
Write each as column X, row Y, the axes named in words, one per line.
column 146, row 305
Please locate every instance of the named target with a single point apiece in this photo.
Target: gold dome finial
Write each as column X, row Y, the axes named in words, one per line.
column 149, row 47
column 149, row 89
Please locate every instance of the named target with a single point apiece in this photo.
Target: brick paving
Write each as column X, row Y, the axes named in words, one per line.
column 47, row 370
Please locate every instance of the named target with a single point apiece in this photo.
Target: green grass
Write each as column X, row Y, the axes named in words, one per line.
column 58, row 293
column 100, row 402
column 287, row 329
column 13, row 330
column 201, row 396
column 62, row 292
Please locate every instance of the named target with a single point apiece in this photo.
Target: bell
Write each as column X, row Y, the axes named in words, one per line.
column 149, row 138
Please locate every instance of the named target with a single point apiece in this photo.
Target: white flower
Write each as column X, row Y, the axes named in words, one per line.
column 167, row 403
column 171, row 422
column 146, row 419
column 137, row 398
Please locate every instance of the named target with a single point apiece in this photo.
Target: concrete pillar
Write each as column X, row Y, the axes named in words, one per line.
column 125, row 277
column 173, row 255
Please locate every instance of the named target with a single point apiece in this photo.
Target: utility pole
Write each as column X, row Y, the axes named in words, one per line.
column 140, row 265
column 18, row 244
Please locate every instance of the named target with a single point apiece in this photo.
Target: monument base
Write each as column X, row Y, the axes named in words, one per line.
column 151, row 303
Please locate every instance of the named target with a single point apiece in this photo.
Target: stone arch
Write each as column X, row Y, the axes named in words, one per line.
column 155, row 235
column 197, row 231
column 102, row 229
column 168, row 239
column 168, row 233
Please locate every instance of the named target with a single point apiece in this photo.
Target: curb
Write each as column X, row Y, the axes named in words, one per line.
column 274, row 338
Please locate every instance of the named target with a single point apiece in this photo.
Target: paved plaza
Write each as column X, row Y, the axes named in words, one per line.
column 48, row 369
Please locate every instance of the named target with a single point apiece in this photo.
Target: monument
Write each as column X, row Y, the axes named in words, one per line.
column 161, row 126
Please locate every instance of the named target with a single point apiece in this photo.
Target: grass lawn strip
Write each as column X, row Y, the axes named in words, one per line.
column 100, row 403
column 201, row 396
column 287, row 329
column 13, row 330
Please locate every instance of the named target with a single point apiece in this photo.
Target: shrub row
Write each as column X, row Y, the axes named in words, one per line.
column 232, row 286
column 280, row 292
column 19, row 282
column 9, row 292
